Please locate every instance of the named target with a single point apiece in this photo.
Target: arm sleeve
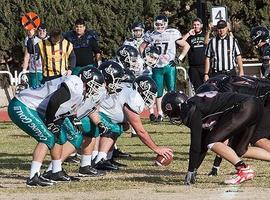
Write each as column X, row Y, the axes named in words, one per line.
column 72, row 60
column 58, row 97
column 196, row 137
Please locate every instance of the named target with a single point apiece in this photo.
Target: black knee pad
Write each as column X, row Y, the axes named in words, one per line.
column 111, row 135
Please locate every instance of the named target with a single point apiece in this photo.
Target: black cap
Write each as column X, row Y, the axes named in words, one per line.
column 42, row 26
column 221, row 24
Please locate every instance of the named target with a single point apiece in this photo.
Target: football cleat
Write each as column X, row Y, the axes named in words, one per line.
column 117, row 153
column 60, row 176
column 242, row 174
column 106, row 165
column 37, row 181
column 90, row 171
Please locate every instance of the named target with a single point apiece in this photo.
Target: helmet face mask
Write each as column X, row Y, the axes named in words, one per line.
column 128, row 56
column 137, row 30
column 171, row 105
column 151, row 55
column 147, row 89
column 259, row 34
column 113, row 74
column 93, row 80
column 161, row 23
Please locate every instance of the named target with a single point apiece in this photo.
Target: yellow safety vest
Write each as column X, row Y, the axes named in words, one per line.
column 55, row 56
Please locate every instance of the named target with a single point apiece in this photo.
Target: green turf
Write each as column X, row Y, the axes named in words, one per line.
column 16, row 148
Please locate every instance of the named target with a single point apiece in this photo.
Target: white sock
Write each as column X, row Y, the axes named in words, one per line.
column 100, row 156
column 86, row 160
column 49, row 167
column 35, row 168
column 94, row 154
column 109, row 155
column 56, row 166
column 160, row 113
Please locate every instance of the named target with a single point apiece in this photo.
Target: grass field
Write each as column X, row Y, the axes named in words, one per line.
column 141, row 176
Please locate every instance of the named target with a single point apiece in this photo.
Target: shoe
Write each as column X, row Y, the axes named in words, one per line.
column 90, row 171
column 73, row 159
column 152, row 117
column 117, row 153
column 60, row 176
column 117, row 163
column 159, row 119
column 106, row 165
column 242, row 174
column 47, row 176
column 37, row 181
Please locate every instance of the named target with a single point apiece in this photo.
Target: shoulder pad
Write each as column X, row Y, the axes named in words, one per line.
column 92, row 33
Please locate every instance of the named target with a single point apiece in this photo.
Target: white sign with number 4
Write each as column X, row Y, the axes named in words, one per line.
column 218, row 13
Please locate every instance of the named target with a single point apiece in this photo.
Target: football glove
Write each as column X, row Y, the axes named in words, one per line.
column 77, row 124
column 190, row 178
column 214, row 171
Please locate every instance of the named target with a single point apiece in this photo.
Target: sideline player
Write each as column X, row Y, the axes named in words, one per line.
column 166, row 40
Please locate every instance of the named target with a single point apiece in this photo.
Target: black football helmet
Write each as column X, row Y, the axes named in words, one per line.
column 129, row 76
column 206, row 87
column 222, row 82
column 147, row 88
column 93, row 79
column 161, row 23
column 259, row 33
column 113, row 74
column 171, row 105
column 128, row 56
column 151, row 55
column 137, row 26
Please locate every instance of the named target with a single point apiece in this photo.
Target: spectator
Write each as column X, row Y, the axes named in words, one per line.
column 195, row 38
column 85, row 44
column 57, row 55
column 164, row 73
column 33, row 62
column 223, row 51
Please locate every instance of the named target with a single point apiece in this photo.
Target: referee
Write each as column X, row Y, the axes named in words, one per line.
column 223, row 53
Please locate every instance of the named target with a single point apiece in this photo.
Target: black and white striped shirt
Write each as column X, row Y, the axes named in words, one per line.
column 223, row 53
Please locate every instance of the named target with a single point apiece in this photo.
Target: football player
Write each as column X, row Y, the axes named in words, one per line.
column 137, row 30
column 260, row 37
column 213, row 118
column 126, row 107
column 166, row 40
column 41, row 113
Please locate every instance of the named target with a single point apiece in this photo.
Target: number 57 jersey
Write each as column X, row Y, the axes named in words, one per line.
column 165, row 41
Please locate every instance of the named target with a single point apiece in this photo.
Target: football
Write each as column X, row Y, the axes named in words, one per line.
column 162, row 161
